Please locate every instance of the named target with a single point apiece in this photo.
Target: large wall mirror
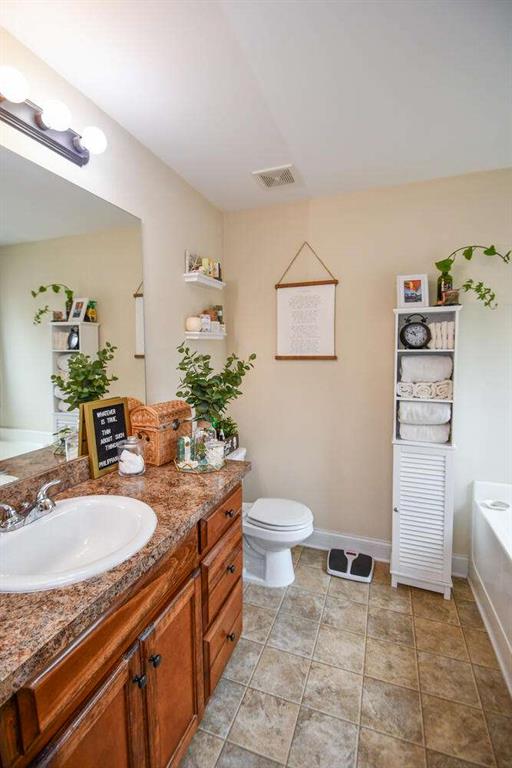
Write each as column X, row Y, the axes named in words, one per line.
column 53, row 233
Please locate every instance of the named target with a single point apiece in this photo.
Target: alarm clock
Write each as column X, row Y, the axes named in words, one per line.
column 415, row 334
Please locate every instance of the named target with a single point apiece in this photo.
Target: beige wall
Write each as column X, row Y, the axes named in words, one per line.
column 106, row 266
column 320, row 432
column 174, row 216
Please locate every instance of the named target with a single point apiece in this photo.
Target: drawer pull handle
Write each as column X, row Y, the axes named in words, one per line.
column 231, row 569
column 155, row 660
column 232, row 637
column 229, row 512
column 141, row 680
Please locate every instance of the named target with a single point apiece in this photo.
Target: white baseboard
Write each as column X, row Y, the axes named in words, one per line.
column 380, row 549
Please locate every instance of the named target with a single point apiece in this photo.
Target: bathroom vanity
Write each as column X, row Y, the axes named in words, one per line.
column 116, row 671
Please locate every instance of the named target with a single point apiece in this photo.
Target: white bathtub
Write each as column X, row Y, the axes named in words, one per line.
column 490, row 568
column 14, row 442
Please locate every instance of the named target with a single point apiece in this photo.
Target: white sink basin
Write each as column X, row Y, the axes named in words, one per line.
column 81, row 538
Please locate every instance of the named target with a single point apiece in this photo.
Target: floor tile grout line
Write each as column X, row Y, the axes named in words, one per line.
column 358, row 734
column 422, row 716
column 478, row 691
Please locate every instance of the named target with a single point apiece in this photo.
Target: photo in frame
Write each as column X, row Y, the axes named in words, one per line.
column 412, row 291
column 78, row 310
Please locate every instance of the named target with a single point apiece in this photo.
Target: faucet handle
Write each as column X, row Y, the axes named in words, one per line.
column 9, row 518
column 42, row 495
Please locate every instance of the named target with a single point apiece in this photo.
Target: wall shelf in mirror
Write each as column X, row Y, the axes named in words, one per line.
column 204, row 336
column 198, row 278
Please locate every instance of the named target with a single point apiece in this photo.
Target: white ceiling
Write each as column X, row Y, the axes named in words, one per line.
column 38, row 205
column 354, row 93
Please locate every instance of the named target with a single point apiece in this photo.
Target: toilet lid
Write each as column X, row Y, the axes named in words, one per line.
column 281, row 514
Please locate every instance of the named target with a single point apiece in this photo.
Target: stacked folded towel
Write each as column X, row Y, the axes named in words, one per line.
column 424, row 413
column 423, row 433
column 443, row 335
column 426, row 368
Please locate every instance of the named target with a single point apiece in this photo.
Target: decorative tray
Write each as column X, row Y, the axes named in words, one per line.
column 197, row 470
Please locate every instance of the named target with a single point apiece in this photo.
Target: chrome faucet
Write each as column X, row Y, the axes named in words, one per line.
column 11, row 520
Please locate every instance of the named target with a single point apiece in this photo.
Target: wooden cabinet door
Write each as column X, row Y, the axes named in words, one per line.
column 171, row 649
column 110, row 730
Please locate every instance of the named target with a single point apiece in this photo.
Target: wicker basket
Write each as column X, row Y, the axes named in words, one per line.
column 160, row 425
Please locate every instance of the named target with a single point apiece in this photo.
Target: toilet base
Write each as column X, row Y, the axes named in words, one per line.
column 266, row 567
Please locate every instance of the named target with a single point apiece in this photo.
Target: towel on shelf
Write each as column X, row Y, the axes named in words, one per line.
column 404, row 389
column 63, row 363
column 432, row 433
column 444, row 335
column 450, row 335
column 426, row 368
column 431, row 344
column 423, row 390
column 443, row 390
column 424, row 413
column 59, row 393
column 63, row 406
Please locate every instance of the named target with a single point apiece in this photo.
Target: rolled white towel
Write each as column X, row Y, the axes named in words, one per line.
column 423, row 390
column 63, row 406
column 63, row 363
column 443, row 390
column 431, row 343
column 437, row 338
column 426, row 368
column 450, row 335
column 424, row 413
column 404, row 389
column 433, row 433
column 444, row 335
column 57, row 391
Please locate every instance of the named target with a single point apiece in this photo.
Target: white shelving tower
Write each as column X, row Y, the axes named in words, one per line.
column 88, row 344
column 423, row 479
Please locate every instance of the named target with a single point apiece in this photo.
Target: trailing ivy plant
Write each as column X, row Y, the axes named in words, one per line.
column 482, row 291
column 56, row 288
column 87, row 378
column 204, row 389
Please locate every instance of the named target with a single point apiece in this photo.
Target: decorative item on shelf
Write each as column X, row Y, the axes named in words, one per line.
column 104, row 424
column 206, row 323
column 73, row 340
column 47, row 124
column 139, row 322
column 58, row 316
column 202, row 265
column 78, row 310
column 130, row 453
column 55, row 288
column 451, row 297
column 412, row 291
column 483, row 292
column 161, row 425
column 193, row 324
column 306, row 314
column 415, row 334
column 91, row 313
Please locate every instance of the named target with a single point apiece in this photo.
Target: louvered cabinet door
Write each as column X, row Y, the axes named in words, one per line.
column 422, row 516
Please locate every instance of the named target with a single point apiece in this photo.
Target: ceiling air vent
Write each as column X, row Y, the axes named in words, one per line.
column 275, row 177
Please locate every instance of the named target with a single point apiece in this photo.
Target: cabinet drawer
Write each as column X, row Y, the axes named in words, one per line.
column 220, row 570
column 212, row 528
column 222, row 637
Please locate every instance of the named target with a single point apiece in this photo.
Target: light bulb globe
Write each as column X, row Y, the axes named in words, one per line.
column 13, row 85
column 94, row 140
column 56, row 115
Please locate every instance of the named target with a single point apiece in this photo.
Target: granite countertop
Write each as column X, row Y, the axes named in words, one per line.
column 36, row 626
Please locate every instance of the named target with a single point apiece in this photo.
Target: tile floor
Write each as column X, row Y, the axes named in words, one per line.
column 336, row 674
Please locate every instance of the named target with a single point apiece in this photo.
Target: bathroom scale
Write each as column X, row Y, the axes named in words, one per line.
column 348, row 564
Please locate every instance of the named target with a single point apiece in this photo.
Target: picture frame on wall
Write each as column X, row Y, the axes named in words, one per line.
column 412, row 291
column 78, row 310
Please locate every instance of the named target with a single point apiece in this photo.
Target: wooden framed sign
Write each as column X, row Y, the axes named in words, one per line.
column 305, row 320
column 103, row 424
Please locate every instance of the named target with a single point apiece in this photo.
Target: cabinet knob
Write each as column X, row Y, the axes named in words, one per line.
column 229, row 512
column 141, row 680
column 395, row 509
column 231, row 569
column 232, row 637
column 155, row 660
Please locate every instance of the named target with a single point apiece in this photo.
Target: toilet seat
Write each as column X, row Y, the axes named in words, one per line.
column 279, row 515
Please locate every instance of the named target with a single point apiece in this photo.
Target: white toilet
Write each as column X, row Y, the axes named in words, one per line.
column 271, row 528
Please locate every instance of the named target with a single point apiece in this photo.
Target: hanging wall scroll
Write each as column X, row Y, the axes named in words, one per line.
column 306, row 313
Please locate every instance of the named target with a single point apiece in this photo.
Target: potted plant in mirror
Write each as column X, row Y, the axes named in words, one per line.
column 227, row 430
column 87, row 377
column 445, row 289
column 209, row 392
column 56, row 288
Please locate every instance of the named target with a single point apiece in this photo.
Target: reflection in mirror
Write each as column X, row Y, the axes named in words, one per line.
column 60, row 242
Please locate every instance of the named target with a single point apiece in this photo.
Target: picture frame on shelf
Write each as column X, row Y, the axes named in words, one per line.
column 78, row 310
column 412, row 291
column 192, row 262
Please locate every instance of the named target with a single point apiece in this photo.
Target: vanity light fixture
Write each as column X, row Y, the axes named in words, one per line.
column 48, row 124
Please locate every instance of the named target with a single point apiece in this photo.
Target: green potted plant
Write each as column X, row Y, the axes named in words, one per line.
column 207, row 391
column 56, row 288
column 482, row 291
column 227, row 430
column 87, row 378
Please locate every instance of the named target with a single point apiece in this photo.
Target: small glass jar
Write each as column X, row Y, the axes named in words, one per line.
column 203, row 436
column 130, row 454
column 215, row 454
column 71, row 443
